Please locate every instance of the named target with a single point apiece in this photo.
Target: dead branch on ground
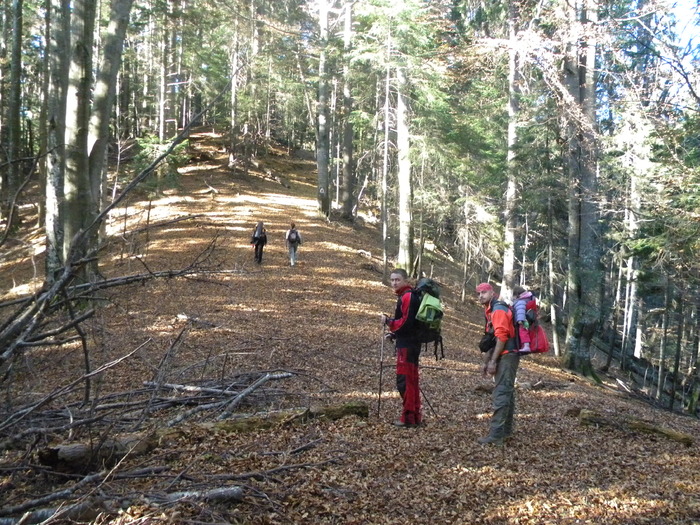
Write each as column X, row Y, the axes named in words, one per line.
column 20, row 329
column 632, row 424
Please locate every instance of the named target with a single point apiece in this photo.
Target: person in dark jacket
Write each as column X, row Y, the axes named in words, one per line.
column 500, row 361
column 259, row 240
column 403, row 328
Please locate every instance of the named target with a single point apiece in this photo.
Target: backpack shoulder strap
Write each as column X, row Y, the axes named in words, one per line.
column 500, row 305
column 495, row 305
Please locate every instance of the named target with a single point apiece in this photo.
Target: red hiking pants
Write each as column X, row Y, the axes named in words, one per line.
column 407, row 384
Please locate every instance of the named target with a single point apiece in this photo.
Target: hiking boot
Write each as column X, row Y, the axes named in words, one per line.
column 489, row 440
column 401, row 424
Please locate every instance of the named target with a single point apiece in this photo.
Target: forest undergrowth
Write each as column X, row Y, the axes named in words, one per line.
column 301, row 337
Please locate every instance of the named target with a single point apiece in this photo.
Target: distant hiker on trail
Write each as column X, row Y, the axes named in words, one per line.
column 520, row 299
column 293, row 240
column 403, row 327
column 259, row 240
column 501, row 361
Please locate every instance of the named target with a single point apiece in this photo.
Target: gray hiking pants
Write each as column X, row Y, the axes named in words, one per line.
column 292, row 247
column 504, row 396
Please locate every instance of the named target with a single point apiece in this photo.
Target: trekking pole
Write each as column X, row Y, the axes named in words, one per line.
column 381, row 368
column 427, row 401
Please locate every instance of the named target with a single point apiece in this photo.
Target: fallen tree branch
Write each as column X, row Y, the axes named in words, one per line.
column 632, row 424
column 163, row 223
column 20, row 328
column 218, row 495
column 16, row 438
column 163, row 367
column 237, row 400
column 81, row 511
column 21, row 414
column 227, row 403
column 54, row 496
column 298, row 450
column 12, row 207
column 191, row 388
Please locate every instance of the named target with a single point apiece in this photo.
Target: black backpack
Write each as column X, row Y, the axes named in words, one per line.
column 293, row 236
column 429, row 314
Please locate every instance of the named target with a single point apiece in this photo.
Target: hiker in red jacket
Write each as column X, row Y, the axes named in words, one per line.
column 501, row 361
column 403, row 328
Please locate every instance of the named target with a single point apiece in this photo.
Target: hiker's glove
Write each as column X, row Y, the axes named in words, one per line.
column 526, row 325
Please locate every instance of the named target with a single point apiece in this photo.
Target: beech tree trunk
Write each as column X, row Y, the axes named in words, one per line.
column 511, row 188
column 81, row 206
column 405, row 256
column 57, row 57
column 585, row 276
column 349, row 179
column 104, row 96
column 385, row 163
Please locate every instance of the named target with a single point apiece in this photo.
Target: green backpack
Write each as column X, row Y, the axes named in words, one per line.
column 429, row 315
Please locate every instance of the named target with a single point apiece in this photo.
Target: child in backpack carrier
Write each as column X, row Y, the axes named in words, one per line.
column 521, row 303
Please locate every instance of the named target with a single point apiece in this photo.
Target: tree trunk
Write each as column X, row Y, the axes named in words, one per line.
column 233, row 100
column 58, row 63
column 585, row 275
column 81, row 207
column 44, row 114
column 615, row 318
column 385, row 163
column 104, row 95
column 13, row 173
column 349, row 181
column 679, row 348
column 511, row 187
column 163, row 80
column 661, row 376
column 405, row 256
column 322, row 148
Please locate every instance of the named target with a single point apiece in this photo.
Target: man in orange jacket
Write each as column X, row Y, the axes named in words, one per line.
column 501, row 361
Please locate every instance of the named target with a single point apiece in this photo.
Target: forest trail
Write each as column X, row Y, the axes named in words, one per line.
column 320, row 321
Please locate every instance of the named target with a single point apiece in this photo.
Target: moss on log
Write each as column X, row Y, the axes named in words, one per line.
column 82, row 457
column 631, row 424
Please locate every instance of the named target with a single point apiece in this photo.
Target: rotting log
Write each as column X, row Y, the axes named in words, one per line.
column 631, row 424
column 81, row 457
column 340, row 411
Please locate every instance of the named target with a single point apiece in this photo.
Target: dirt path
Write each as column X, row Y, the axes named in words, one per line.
column 320, row 321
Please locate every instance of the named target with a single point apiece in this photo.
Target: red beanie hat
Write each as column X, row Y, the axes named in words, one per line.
column 484, row 287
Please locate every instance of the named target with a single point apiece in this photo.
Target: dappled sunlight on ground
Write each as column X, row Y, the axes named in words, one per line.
column 319, row 321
